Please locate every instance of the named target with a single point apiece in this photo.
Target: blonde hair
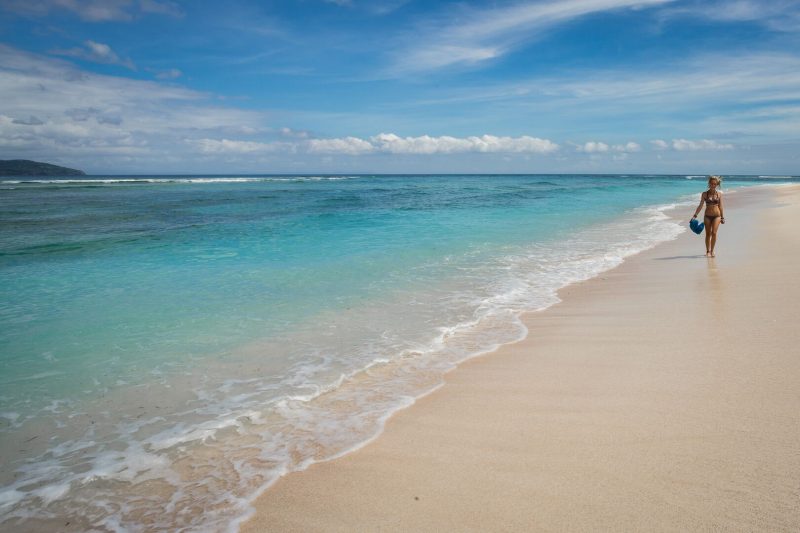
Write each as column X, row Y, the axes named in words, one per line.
column 718, row 179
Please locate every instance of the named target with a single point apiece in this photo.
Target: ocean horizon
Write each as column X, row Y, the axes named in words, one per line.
column 189, row 339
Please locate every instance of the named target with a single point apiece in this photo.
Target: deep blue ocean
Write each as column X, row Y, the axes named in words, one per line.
column 171, row 345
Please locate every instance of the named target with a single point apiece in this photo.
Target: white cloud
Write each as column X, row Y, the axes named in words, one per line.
column 750, row 78
column 293, row 133
column 45, row 114
column 214, row 146
column 96, row 52
column 374, row 7
column 101, row 50
column 93, row 10
column 384, row 7
column 707, row 96
column 659, row 144
column 623, row 150
column 345, row 145
column 425, row 144
column 161, row 7
column 170, row 74
column 628, row 147
column 472, row 36
column 598, row 147
column 777, row 15
column 683, row 145
column 51, row 110
column 387, row 143
column 592, row 147
column 429, row 58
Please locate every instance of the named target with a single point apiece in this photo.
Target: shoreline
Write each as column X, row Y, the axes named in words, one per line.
column 211, row 459
column 285, row 504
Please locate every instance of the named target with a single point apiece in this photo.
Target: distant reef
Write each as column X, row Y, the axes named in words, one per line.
column 23, row 167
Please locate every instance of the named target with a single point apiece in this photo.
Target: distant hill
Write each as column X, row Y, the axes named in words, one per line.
column 23, row 167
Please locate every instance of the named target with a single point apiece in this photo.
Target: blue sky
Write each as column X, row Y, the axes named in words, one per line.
column 314, row 86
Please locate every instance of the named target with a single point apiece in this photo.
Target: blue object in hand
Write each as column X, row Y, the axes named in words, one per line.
column 696, row 226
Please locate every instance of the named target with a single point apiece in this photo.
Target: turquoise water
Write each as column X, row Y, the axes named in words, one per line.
column 248, row 326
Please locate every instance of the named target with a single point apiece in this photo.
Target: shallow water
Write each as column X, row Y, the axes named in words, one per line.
column 172, row 345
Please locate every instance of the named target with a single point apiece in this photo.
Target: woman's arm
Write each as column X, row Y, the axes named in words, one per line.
column 721, row 210
column 700, row 205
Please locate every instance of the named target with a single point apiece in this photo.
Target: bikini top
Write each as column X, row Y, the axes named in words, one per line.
column 712, row 201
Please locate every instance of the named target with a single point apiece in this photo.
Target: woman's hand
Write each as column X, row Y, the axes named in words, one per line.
column 722, row 220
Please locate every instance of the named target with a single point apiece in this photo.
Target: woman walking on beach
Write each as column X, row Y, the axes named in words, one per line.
column 714, row 215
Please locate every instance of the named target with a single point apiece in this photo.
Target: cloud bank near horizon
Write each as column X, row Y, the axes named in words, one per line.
column 46, row 111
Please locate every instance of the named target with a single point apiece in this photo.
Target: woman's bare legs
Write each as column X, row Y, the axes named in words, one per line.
column 715, row 226
column 707, row 222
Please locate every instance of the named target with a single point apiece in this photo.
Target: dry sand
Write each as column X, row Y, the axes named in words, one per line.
column 663, row 395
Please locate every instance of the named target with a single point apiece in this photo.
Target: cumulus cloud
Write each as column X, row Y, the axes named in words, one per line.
column 683, row 145
column 425, row 144
column 628, row 147
column 293, row 133
column 388, row 143
column 592, row 147
column 679, row 145
column 659, row 144
column 598, row 147
column 96, row 52
column 345, row 145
